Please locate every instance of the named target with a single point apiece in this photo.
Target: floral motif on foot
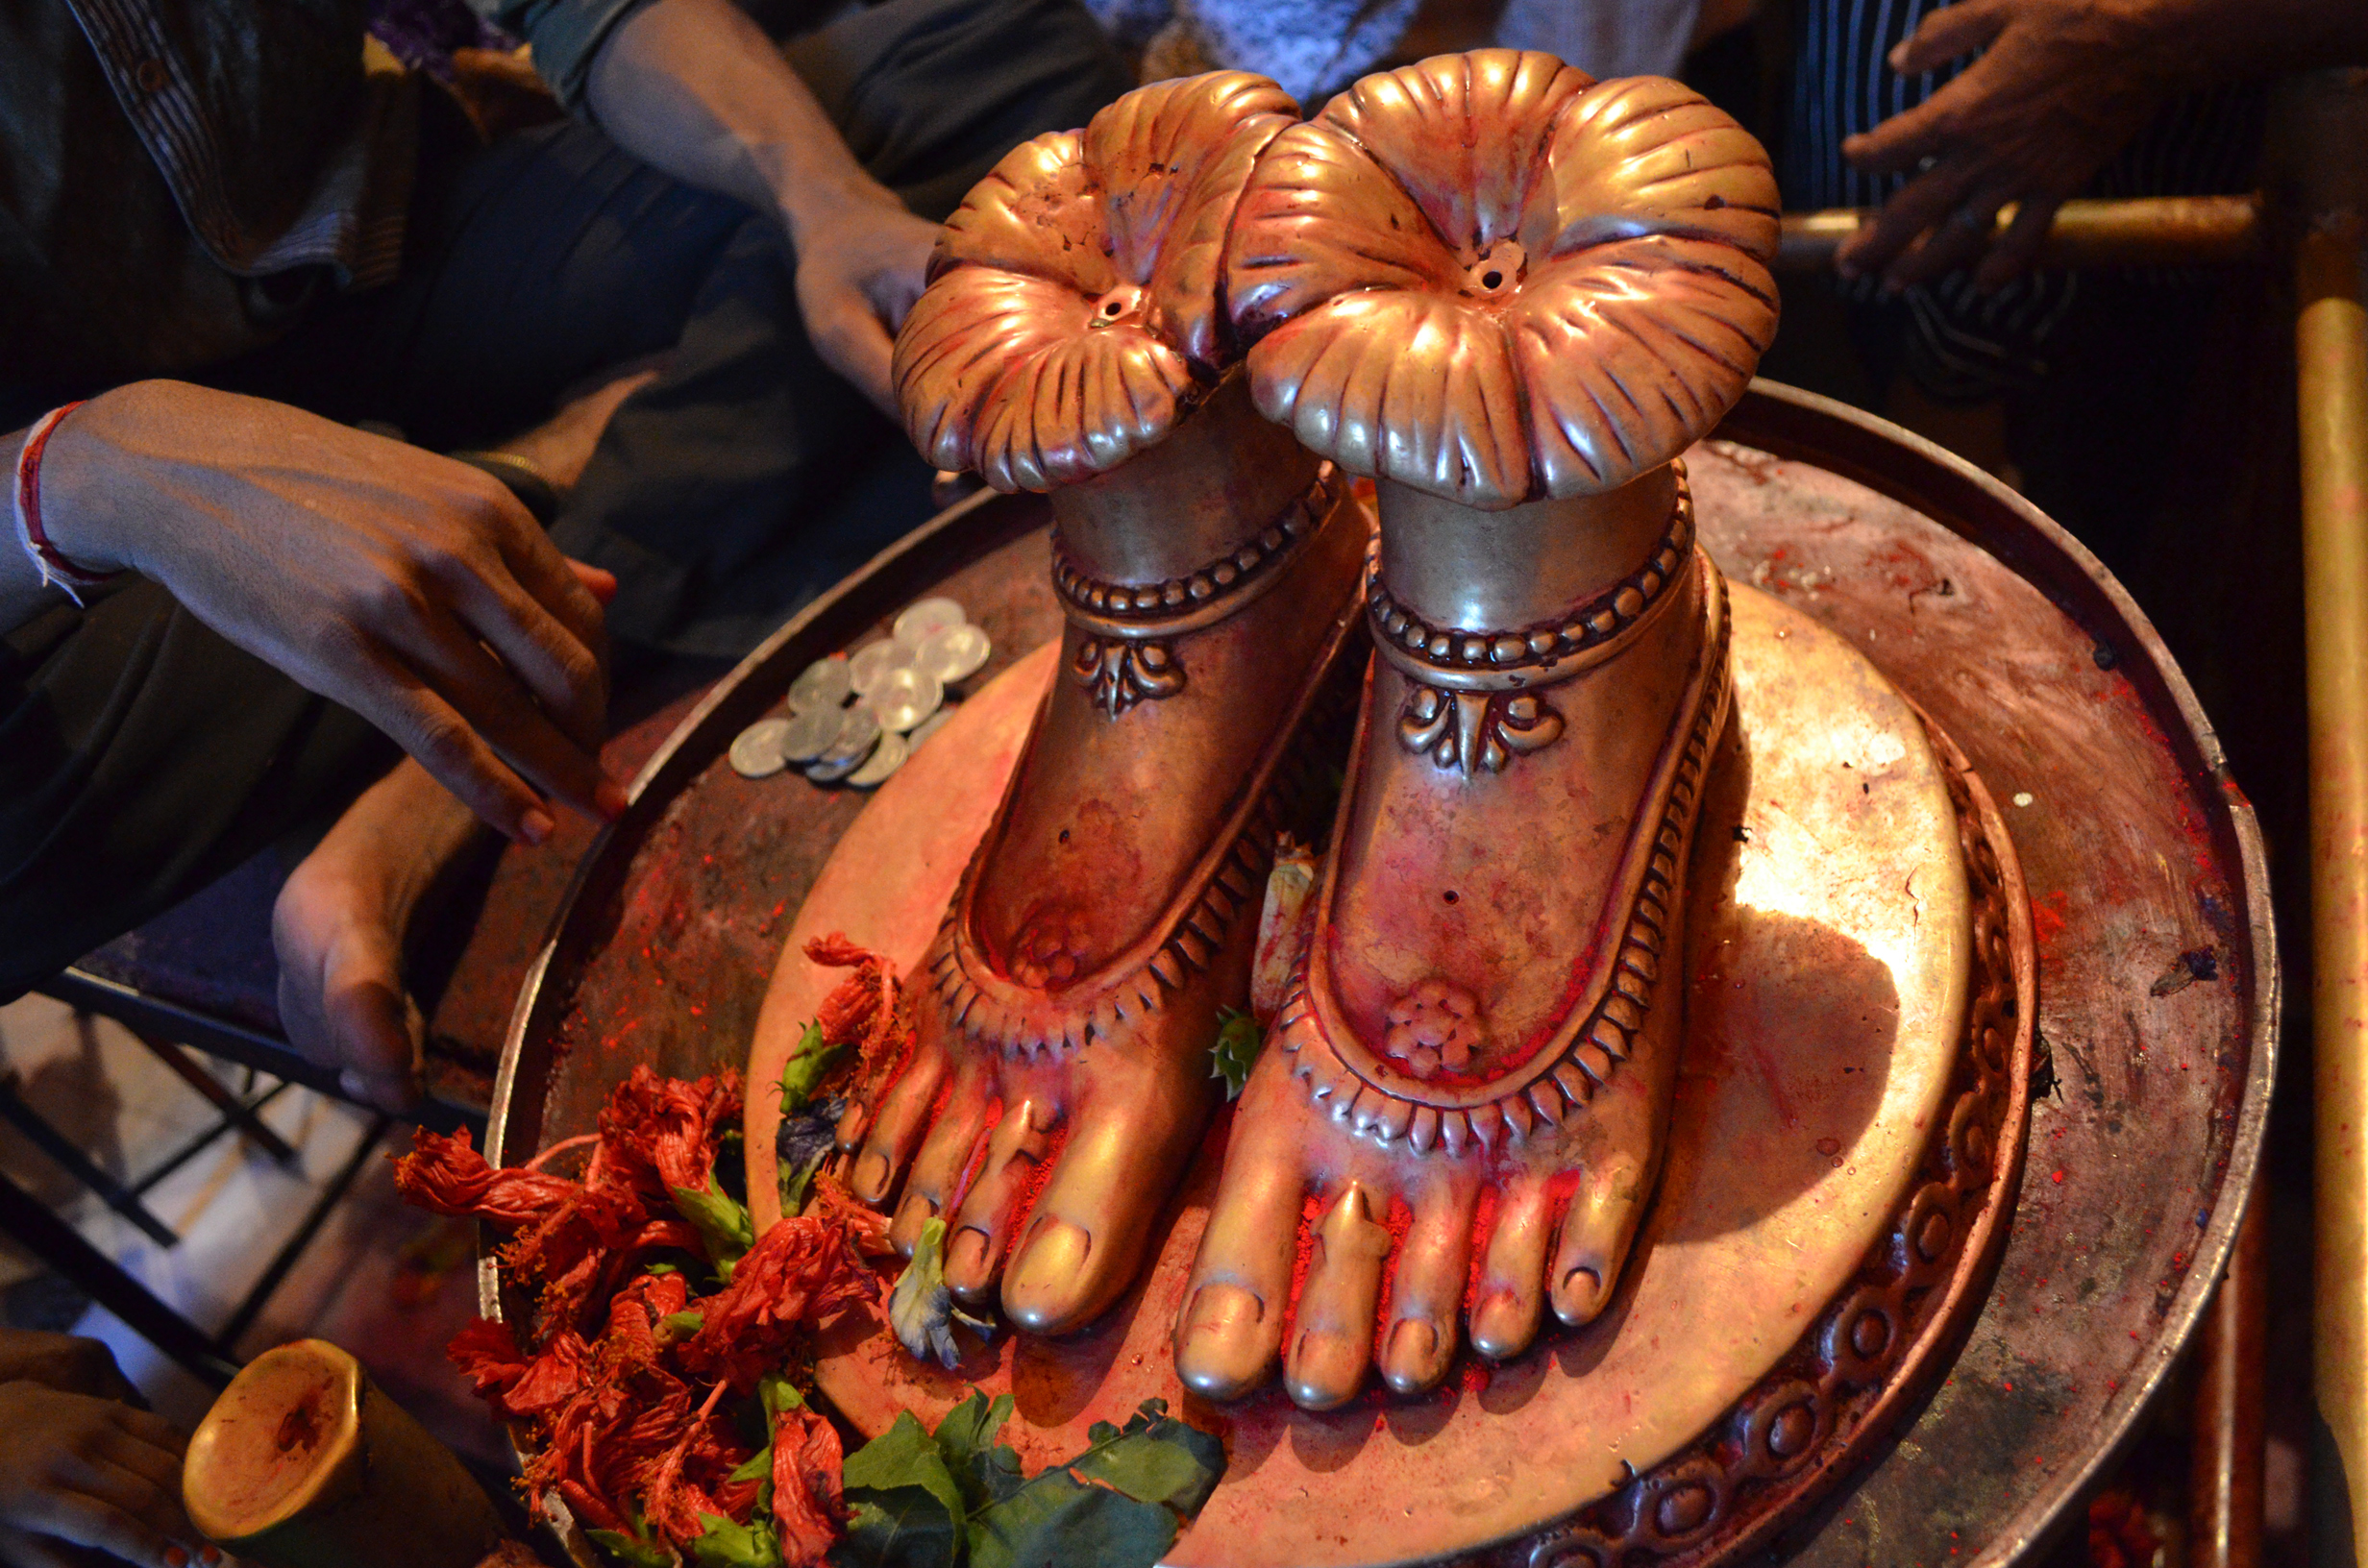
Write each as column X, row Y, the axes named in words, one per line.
column 1434, row 1026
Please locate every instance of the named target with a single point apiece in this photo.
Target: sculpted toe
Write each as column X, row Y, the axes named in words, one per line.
column 916, row 1211
column 1224, row 1344
column 1415, row 1358
column 969, row 1266
column 1327, row 1370
column 1051, row 1286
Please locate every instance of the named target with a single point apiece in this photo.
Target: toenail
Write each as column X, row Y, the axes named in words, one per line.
column 1413, row 1344
column 1325, row 1369
column 1501, row 1328
column 967, row 1258
column 872, row 1177
column 1220, row 1351
column 1223, row 1310
column 1580, row 1296
column 1046, row 1280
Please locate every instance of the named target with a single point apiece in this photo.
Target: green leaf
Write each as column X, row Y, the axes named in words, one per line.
column 806, row 1067
column 1057, row 1520
column 727, row 1545
column 676, row 1327
column 902, row 1528
column 796, row 1185
column 986, row 1470
column 1154, row 1459
column 778, row 1394
column 757, row 1466
column 724, row 1225
column 971, row 1424
column 904, row 1456
column 632, row 1552
column 1236, row 1051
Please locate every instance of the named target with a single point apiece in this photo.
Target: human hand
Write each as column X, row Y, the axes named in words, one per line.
column 2060, row 87
column 65, row 1362
column 81, row 1472
column 414, row 589
column 858, row 272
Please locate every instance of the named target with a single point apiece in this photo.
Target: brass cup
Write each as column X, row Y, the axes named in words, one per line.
column 303, row 1462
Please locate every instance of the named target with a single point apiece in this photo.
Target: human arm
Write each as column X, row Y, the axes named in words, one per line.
column 695, row 88
column 2060, row 87
column 407, row 587
column 78, row 1471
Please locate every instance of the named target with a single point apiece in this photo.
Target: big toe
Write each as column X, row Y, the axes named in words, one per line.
column 1084, row 1245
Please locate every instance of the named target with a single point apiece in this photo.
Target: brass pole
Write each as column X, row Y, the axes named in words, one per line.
column 2224, row 1490
column 2153, row 229
column 2331, row 340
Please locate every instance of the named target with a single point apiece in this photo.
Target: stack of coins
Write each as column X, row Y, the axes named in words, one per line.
column 855, row 718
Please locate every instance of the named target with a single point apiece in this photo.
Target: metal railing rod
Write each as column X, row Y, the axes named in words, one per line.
column 2150, row 231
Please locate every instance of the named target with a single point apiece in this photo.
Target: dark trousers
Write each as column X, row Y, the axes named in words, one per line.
column 141, row 755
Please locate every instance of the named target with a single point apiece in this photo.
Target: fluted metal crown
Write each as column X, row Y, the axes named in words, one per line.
column 1073, row 316
column 1492, row 278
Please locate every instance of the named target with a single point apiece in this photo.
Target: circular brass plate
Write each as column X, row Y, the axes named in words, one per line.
column 2138, row 849
column 1830, row 946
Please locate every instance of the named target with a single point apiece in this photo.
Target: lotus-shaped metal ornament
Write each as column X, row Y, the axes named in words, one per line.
column 1491, row 277
column 1073, row 315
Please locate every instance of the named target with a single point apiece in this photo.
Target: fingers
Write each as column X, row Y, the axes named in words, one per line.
column 1334, row 1337
column 1949, row 34
column 532, row 559
column 1952, row 243
column 552, row 661
column 1915, row 207
column 2017, row 250
column 81, row 1519
column 598, row 581
column 521, row 732
column 65, row 1362
column 421, row 722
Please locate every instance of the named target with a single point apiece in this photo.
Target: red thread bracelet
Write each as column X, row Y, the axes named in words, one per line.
column 53, row 565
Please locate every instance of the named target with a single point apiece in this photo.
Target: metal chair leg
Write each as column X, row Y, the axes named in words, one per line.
column 60, row 1246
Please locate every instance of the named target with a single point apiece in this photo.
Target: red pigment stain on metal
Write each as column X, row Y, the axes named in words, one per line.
column 2048, row 914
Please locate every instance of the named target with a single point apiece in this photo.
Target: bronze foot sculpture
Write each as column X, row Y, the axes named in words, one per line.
column 1514, row 295
column 1071, row 341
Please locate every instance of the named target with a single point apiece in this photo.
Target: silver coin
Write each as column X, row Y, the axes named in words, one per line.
column 824, row 684
column 859, row 732
column 928, row 727
column 756, row 750
column 874, row 660
column 924, row 616
column 904, row 698
column 809, row 732
column 954, row 652
column 831, row 773
column 886, row 758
